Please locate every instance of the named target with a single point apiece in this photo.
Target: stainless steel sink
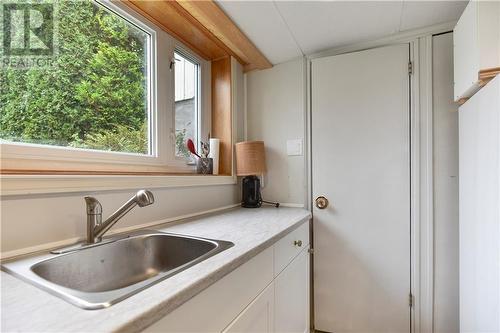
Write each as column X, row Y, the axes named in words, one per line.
column 102, row 274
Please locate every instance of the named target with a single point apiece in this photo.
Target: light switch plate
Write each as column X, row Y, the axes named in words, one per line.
column 294, row 147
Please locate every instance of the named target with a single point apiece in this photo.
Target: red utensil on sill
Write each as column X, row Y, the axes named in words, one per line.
column 191, row 148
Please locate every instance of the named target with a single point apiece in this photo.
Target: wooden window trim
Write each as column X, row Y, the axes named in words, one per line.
column 222, row 120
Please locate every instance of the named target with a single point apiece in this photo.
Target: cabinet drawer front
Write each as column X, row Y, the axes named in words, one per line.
column 290, row 246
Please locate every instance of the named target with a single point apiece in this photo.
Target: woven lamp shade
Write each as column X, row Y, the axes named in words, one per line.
column 250, row 158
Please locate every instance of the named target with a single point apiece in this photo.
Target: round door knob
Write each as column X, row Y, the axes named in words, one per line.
column 321, row 202
column 297, row 243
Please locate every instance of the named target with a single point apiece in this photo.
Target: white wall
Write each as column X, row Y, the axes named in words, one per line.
column 238, row 92
column 276, row 113
column 34, row 220
column 445, row 146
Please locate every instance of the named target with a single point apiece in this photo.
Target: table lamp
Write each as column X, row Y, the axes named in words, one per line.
column 250, row 162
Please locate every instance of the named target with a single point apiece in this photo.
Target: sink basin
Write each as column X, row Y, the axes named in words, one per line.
column 98, row 276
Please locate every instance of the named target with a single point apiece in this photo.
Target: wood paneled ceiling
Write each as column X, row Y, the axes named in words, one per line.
column 204, row 27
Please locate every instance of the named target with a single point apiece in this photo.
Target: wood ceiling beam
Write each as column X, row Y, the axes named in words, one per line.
column 177, row 22
column 203, row 27
column 213, row 18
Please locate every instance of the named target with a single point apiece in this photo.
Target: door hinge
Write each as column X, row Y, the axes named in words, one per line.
column 410, row 300
column 311, row 250
column 410, row 68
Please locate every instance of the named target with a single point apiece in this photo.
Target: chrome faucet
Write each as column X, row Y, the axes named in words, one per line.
column 96, row 228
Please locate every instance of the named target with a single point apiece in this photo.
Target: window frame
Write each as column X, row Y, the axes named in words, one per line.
column 161, row 113
column 201, row 114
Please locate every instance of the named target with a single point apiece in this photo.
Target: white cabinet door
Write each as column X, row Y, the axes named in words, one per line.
column 476, row 41
column 479, row 155
column 258, row 316
column 466, row 53
column 291, row 312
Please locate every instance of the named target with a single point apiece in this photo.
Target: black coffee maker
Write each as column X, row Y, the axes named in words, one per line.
column 251, row 161
column 251, row 197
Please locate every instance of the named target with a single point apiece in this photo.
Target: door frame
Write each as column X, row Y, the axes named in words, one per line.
column 421, row 164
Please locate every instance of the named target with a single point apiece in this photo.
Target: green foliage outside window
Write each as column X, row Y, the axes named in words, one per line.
column 180, row 143
column 95, row 97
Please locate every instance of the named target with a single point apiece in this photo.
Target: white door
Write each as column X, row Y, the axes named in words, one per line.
column 292, row 296
column 361, row 164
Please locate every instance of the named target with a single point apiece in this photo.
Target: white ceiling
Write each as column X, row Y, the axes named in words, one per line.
column 284, row 30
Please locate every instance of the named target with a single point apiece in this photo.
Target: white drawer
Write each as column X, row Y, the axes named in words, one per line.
column 290, row 246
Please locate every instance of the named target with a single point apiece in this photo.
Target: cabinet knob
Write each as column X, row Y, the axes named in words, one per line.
column 297, row 243
column 321, row 202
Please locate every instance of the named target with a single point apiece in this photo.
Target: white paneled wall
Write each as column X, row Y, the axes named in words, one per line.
column 445, row 146
column 275, row 114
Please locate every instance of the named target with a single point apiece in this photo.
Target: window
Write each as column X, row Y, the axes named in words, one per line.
column 94, row 97
column 110, row 101
column 186, row 103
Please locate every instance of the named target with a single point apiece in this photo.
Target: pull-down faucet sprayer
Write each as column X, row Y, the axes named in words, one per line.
column 96, row 228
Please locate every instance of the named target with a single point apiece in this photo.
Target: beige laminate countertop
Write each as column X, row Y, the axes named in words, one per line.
column 25, row 308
